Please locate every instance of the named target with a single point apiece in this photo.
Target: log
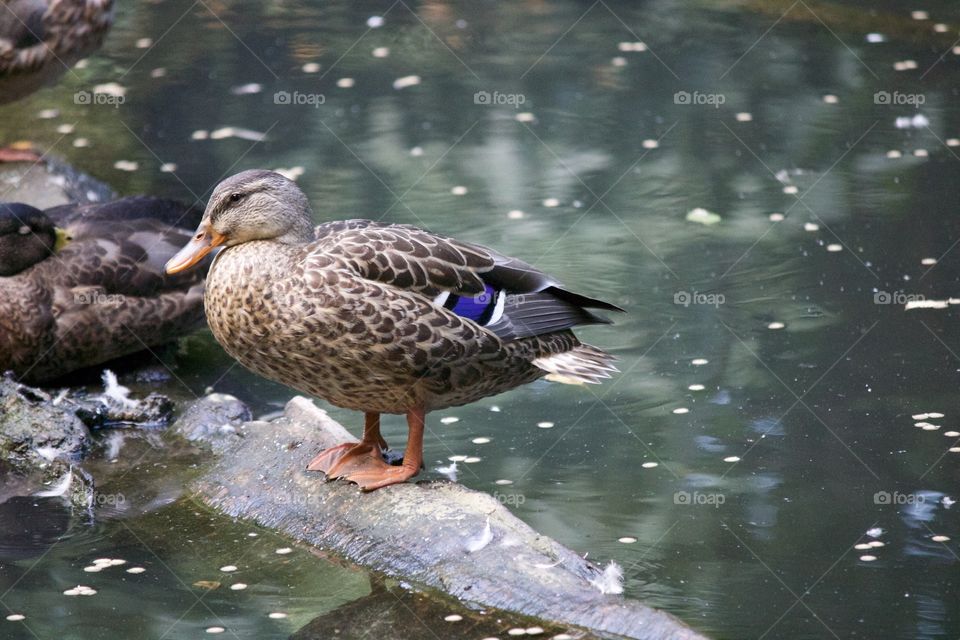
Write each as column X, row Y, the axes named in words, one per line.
column 439, row 534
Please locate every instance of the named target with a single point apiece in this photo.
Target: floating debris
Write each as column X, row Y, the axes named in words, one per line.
column 80, row 590
column 215, row 630
column 237, row 132
column 471, row 459
column 744, row 116
column 525, row 116
column 230, row 568
column 284, row 551
column 830, row 99
column 876, row 38
column 893, row 154
column 681, row 410
column 545, row 425
column 776, row 217
column 618, row 61
column 867, row 558
column 375, row 22
column 702, row 216
column 627, row 540
column 168, row 167
column 732, row 459
column 480, row 440
column 503, row 482
column 810, row 226
column 699, row 362
column 380, row 52
column 834, row 248
column 919, row 15
column 611, row 580
column 453, row 617
column 449, row 420
column 696, row 387
column 48, row 114
column 459, row 190
column 928, row 262
column 790, row 189
column 632, row 46
column 143, row 43
column 240, row 586
column 449, row 471
column 200, row 134
column 774, row 326
column 136, row 570
column 875, row 532
column 81, row 143
column 406, row 81
column 16, row 617
column 247, row 89
column 310, row 67
column 277, row 615
column 126, row 165
column 650, row 465
column 208, row 585
column 940, row 538
column 904, row 65
column 515, row 214
column 551, row 203
column 650, row 143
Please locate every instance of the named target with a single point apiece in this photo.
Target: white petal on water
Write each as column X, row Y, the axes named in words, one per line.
column 867, row 558
column 116, row 562
column 449, row 420
column 93, row 568
column 632, row 46
column 65, row 129
column 247, row 89
column 453, row 617
column 346, row 83
column 702, row 216
column 618, row 61
column 744, row 116
column 111, row 89
column 471, row 459
column 696, row 387
column 551, row 203
column 515, row 214
column 681, row 410
column 136, row 570
column 776, row 217
column 459, row 190
column 863, row 546
column 48, row 114
column 921, row 153
column 406, row 81
column 927, row 262
column 650, row 144
column 940, row 538
column 143, row 43
column 941, row 27
column 699, row 362
column 375, row 22
column 876, row 544
column 732, row 459
column 416, row 152
column 215, row 630
column 525, row 116
column 81, row 142
column 240, row 586
column 650, row 465
column 904, row 65
column 126, row 165
column 284, row 551
column 810, row 226
column 627, row 540
column 534, row 631
column 954, row 449
column 159, row 72
column 830, row 99
column 775, row 326
column 893, row 154
column 919, row 15
column 875, row 532
column 480, row 440
column 920, row 416
column 503, row 482
column 16, row 617
column 545, row 425
column 935, row 414
column 380, row 52
column 834, row 248
column 230, row 568
column 199, row 134
column 277, row 615
column 790, row 189
column 310, row 67
column 953, row 142
column 456, row 458
column 517, row 631
column 168, row 167
column 952, row 434
column 875, row 38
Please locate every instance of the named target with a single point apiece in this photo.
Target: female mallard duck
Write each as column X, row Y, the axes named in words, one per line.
column 41, row 39
column 83, row 284
column 379, row 318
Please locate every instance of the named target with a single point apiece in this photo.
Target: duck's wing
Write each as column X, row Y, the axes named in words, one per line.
column 506, row 296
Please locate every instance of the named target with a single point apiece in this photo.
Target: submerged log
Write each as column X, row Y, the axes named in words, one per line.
column 438, row 534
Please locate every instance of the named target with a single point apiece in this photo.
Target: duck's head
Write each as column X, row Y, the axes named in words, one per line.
column 253, row 205
column 27, row 236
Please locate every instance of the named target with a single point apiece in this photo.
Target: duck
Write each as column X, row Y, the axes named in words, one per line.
column 41, row 39
column 379, row 318
column 82, row 284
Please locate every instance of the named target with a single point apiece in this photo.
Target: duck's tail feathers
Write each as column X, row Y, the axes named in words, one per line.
column 584, row 364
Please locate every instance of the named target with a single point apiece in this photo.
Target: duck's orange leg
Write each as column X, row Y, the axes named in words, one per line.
column 363, row 463
column 372, row 443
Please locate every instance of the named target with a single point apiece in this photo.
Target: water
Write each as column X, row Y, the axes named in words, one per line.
column 802, row 438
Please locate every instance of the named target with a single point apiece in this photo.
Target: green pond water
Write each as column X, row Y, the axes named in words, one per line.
column 755, row 468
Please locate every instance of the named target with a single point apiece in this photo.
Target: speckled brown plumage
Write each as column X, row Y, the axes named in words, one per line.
column 377, row 317
column 37, row 33
column 104, row 294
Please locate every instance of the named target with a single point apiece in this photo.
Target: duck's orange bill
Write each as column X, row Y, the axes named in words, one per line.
column 194, row 251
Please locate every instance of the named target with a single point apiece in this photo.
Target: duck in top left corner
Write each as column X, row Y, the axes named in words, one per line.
column 82, row 284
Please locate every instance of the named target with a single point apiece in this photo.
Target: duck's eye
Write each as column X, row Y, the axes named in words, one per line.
column 236, row 197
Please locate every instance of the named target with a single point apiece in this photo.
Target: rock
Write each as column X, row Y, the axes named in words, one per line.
column 438, row 534
column 213, row 419
column 50, row 183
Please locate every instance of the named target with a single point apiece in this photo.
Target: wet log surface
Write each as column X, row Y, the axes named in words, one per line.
column 432, row 533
